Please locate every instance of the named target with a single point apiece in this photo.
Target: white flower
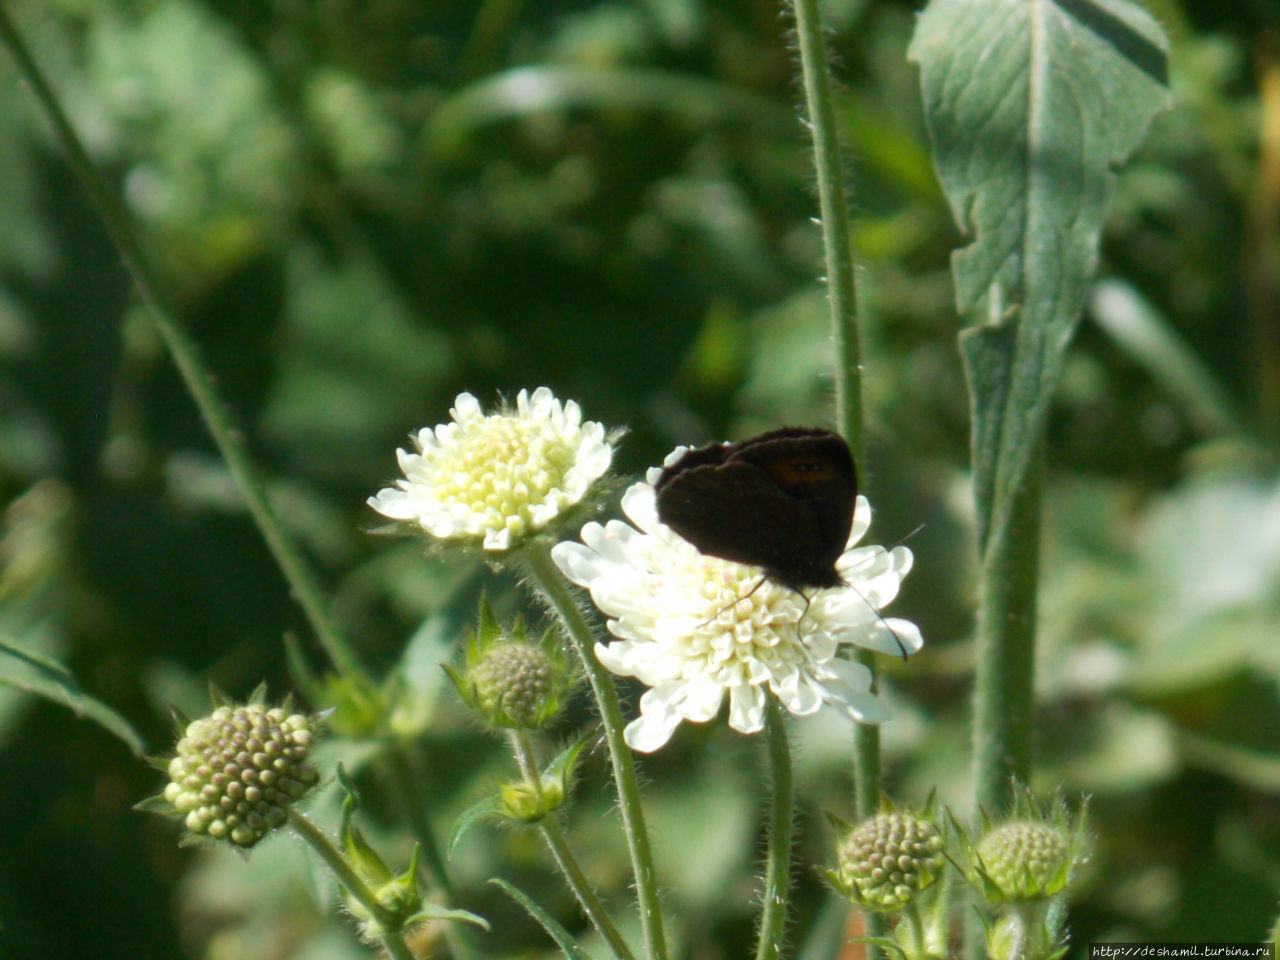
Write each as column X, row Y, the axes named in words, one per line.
column 681, row 632
column 500, row 477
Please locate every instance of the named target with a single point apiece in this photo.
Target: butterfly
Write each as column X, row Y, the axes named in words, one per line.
column 782, row 501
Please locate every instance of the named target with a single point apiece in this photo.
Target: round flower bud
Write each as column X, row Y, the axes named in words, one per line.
column 523, row 802
column 1025, row 860
column 516, row 685
column 237, row 771
column 888, row 860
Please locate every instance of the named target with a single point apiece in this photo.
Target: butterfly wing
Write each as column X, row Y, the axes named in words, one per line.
column 782, row 501
column 734, row 511
column 815, row 467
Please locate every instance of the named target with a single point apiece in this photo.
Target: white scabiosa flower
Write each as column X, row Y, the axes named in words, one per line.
column 499, row 478
column 695, row 628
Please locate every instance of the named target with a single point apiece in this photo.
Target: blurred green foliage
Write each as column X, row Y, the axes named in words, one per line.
column 362, row 208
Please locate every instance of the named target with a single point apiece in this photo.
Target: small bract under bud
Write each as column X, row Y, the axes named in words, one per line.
column 1025, row 860
column 237, row 771
column 888, row 860
column 529, row 804
column 512, row 681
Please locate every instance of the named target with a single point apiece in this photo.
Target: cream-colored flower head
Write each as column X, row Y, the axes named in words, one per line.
column 681, row 632
column 497, row 478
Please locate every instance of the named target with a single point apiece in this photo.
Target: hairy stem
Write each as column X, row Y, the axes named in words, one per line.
column 537, row 558
column 527, row 760
column 837, row 242
column 319, row 841
column 777, row 877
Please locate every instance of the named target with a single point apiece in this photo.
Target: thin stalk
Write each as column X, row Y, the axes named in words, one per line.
column 837, row 242
column 392, row 940
column 833, row 204
column 195, row 376
column 527, row 759
column 866, row 754
column 537, row 558
column 777, row 876
column 1002, row 698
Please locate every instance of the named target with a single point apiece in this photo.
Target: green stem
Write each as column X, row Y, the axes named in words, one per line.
column 837, row 238
column 777, row 876
column 837, row 242
column 938, row 929
column 321, row 844
column 915, row 931
column 527, row 759
column 1020, row 928
column 537, row 558
column 1002, row 699
column 866, row 754
column 198, row 380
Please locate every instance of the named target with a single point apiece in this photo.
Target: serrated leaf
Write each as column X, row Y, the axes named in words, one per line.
column 48, row 678
column 1031, row 105
column 549, row 923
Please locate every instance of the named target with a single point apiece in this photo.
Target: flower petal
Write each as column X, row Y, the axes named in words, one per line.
column 495, row 479
column 695, row 628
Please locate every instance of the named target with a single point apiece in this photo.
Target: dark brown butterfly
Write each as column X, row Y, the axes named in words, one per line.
column 782, row 501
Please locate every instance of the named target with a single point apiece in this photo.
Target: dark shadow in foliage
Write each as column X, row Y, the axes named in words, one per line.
column 1129, row 43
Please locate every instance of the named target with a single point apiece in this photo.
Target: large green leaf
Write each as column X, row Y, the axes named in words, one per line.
column 1031, row 104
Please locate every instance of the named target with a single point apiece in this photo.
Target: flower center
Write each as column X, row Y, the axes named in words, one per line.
column 503, row 465
column 748, row 628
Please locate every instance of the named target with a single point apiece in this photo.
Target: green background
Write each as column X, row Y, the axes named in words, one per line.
column 362, row 208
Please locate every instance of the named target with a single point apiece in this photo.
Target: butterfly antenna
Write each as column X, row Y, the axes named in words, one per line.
column 879, row 616
column 902, row 647
column 889, row 549
column 903, row 540
column 807, row 600
column 734, row 603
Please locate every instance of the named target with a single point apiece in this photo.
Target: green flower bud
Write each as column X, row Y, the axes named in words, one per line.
column 1025, row 860
column 527, row 804
column 512, row 682
column 237, row 771
column 887, row 861
column 515, row 685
